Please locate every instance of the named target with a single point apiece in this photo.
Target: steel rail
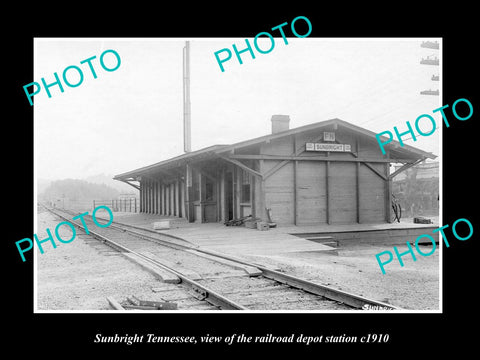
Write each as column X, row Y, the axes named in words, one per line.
column 345, row 297
column 207, row 294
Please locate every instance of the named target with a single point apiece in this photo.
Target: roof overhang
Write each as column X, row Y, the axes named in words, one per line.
column 395, row 150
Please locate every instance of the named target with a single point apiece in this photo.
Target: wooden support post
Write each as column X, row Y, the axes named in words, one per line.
column 172, row 202
column 201, row 185
column 154, row 197
column 358, row 182
column 174, row 199
column 179, row 200
column 183, row 191
column 388, row 192
column 262, row 199
column 295, row 183
column 252, row 196
column 148, row 196
column 172, row 194
column 358, row 191
column 143, row 201
column 162, row 200
column 177, row 205
column 173, row 186
column 142, row 197
column 165, row 197
column 236, row 203
column 157, row 198
column 327, row 191
column 160, row 195
column 147, row 184
column 188, row 185
column 295, row 192
column 219, row 194
column 135, row 201
column 388, row 210
column 189, row 193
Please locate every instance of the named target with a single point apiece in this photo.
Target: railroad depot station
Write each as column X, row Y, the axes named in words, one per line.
column 313, row 209
column 325, row 173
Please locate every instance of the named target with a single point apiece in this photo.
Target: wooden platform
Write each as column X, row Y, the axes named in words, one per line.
column 241, row 240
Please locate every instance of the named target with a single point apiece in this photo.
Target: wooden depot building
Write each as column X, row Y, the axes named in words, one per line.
column 329, row 172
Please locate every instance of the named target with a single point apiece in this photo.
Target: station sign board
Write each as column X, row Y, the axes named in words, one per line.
column 328, row 147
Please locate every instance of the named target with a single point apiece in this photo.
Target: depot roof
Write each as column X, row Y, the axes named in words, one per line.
column 396, row 150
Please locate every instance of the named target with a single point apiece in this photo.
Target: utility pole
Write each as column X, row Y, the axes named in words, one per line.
column 187, row 136
column 430, row 45
column 428, row 61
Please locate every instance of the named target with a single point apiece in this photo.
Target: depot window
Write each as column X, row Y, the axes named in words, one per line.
column 245, row 190
column 196, row 186
column 209, row 190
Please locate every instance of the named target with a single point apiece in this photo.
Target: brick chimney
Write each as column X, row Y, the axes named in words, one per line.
column 280, row 123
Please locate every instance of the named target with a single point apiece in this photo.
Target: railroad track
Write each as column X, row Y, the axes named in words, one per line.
column 223, row 281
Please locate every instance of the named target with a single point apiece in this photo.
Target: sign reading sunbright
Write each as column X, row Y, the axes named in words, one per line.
column 328, row 147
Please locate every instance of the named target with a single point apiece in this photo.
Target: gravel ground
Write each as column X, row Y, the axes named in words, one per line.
column 81, row 274
column 415, row 286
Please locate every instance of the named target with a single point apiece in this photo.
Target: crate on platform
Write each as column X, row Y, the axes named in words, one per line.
column 161, row 225
column 421, row 220
column 251, row 224
column 262, row 225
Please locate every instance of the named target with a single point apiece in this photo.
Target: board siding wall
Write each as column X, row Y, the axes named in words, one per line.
column 279, row 194
column 342, row 189
column 311, row 193
column 372, row 195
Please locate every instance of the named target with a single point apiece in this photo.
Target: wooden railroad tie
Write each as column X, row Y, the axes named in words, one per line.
column 137, row 304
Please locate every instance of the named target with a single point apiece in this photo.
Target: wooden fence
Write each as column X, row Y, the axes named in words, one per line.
column 125, row 205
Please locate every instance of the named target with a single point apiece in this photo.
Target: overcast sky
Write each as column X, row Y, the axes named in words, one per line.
column 132, row 117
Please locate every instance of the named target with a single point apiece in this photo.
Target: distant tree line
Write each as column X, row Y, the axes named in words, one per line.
column 417, row 196
column 77, row 190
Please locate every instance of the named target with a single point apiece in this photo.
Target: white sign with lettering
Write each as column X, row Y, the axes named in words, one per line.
column 328, row 147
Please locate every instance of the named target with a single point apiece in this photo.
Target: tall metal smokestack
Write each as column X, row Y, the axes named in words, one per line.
column 187, row 136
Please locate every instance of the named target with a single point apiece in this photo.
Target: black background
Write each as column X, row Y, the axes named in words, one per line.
column 73, row 334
